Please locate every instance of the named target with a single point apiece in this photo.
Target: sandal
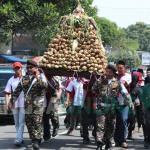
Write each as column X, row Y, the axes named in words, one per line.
column 124, row 145
column 133, row 132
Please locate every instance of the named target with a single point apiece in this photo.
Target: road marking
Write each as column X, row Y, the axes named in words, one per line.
column 24, row 148
column 62, row 117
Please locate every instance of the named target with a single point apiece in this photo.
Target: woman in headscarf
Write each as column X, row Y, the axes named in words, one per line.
column 135, row 90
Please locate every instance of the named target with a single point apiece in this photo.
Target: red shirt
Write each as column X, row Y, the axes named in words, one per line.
column 71, row 93
column 90, row 98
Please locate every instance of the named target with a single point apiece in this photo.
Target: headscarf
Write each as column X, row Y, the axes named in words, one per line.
column 139, row 76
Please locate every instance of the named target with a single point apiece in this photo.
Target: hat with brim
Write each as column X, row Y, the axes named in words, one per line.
column 112, row 67
column 31, row 62
column 17, row 64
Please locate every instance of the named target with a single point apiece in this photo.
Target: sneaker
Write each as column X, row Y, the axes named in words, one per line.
column 17, row 144
column 86, row 141
column 30, row 145
column 130, row 138
column 22, row 142
column 78, row 127
column 113, row 143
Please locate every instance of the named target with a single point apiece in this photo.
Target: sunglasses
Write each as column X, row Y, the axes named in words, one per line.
column 29, row 67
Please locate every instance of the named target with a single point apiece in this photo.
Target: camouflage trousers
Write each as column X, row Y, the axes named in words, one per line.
column 33, row 119
column 54, row 118
column 105, row 124
column 85, row 116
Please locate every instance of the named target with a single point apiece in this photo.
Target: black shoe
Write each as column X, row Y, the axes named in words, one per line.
column 30, row 145
column 130, row 138
column 36, row 145
column 146, row 144
column 108, row 147
column 86, row 141
column 67, row 125
column 17, row 144
column 22, row 142
column 100, row 146
column 55, row 132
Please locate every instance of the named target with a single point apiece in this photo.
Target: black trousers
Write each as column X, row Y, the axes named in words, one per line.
column 131, row 123
column 53, row 115
column 85, row 116
column 138, row 115
column 46, row 125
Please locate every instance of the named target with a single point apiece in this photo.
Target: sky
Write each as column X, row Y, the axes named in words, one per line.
column 124, row 12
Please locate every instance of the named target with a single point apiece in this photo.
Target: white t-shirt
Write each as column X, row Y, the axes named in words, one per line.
column 127, row 79
column 78, row 88
column 10, row 88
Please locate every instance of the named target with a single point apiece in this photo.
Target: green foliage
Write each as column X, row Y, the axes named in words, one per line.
column 26, row 16
column 108, row 30
column 140, row 32
column 41, row 18
column 132, row 59
column 119, row 42
column 114, row 36
column 132, row 45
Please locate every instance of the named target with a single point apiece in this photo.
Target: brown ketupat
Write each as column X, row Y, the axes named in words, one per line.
column 77, row 45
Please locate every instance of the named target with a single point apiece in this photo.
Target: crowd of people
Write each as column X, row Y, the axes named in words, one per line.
column 111, row 105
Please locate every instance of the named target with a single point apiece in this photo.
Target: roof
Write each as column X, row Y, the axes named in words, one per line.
column 12, row 58
column 25, row 42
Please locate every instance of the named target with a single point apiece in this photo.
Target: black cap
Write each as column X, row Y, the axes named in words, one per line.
column 31, row 62
column 121, row 62
column 112, row 67
column 140, row 70
column 148, row 69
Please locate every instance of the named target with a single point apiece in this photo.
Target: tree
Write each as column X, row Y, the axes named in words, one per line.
column 132, row 59
column 132, row 45
column 108, row 30
column 141, row 33
column 114, row 36
column 26, row 16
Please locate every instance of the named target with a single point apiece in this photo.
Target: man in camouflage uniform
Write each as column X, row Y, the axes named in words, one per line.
column 107, row 89
column 52, row 98
column 33, row 85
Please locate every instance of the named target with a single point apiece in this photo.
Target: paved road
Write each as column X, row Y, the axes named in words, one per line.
column 61, row 142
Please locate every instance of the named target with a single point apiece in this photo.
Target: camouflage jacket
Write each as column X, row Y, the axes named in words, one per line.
column 36, row 90
column 108, row 95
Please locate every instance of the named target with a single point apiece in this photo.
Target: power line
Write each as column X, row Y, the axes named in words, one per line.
column 121, row 8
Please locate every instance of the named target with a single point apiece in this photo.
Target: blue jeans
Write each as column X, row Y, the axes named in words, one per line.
column 121, row 124
column 19, row 118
